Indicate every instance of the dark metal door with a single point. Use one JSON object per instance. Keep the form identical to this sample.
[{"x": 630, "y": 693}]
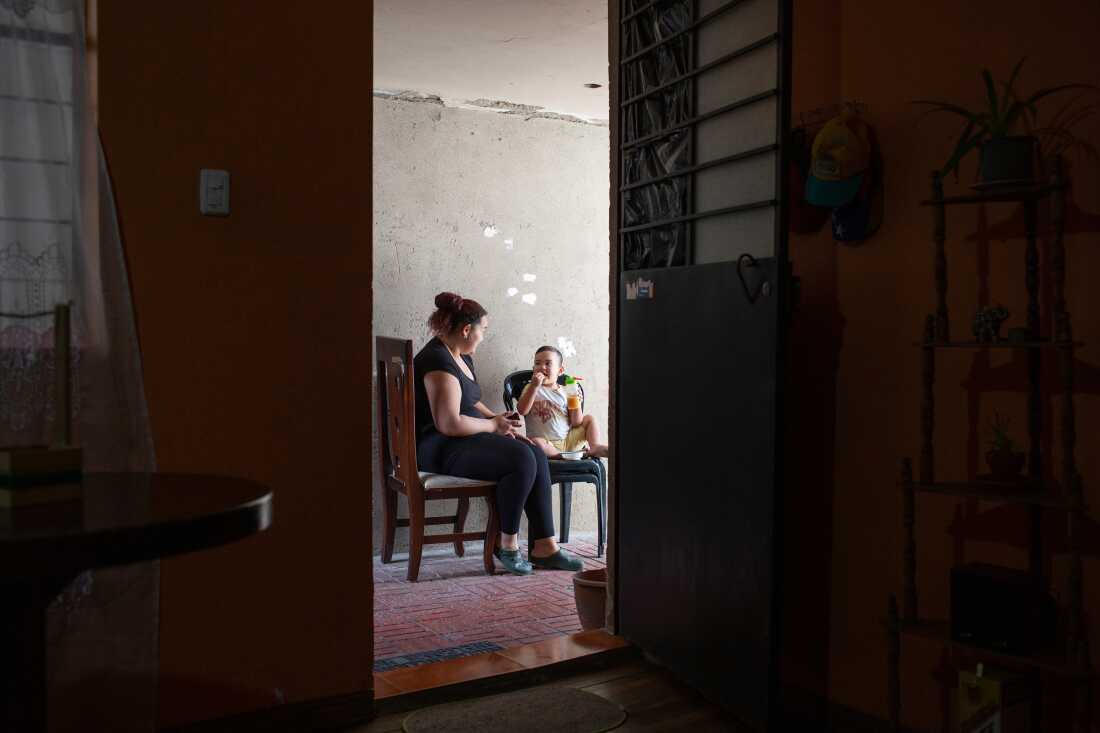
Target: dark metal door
[{"x": 703, "y": 100}]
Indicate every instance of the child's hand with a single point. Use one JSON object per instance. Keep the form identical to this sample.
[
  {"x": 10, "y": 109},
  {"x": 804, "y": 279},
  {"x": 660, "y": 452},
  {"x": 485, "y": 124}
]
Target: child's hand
[{"x": 538, "y": 379}]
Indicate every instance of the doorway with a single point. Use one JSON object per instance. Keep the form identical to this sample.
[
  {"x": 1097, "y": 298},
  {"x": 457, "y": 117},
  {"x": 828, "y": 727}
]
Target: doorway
[
  {"x": 487, "y": 134},
  {"x": 712, "y": 111}
]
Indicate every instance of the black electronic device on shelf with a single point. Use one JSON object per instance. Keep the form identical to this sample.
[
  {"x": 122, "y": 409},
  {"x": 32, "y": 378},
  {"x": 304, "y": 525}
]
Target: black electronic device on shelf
[{"x": 1001, "y": 609}]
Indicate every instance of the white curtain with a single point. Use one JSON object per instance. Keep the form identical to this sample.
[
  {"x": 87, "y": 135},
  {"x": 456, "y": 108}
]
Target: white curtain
[{"x": 59, "y": 242}]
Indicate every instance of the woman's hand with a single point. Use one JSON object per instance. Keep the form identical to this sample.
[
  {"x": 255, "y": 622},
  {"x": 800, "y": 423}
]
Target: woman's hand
[
  {"x": 511, "y": 425},
  {"x": 516, "y": 420},
  {"x": 506, "y": 423}
]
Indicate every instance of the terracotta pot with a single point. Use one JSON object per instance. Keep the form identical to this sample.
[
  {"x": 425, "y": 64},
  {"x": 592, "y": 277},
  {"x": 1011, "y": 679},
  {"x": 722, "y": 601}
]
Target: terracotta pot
[
  {"x": 590, "y": 592},
  {"x": 1005, "y": 466}
]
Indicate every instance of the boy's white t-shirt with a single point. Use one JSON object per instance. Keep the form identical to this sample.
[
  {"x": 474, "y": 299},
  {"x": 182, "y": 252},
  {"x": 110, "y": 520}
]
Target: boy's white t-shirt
[{"x": 548, "y": 418}]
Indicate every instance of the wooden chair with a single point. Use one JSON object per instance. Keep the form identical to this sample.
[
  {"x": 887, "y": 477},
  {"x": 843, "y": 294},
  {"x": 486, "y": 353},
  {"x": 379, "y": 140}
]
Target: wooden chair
[{"x": 399, "y": 474}]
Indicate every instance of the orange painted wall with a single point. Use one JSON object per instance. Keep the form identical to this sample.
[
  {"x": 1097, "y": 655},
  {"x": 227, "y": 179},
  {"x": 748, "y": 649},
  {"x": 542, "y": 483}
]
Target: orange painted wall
[
  {"x": 891, "y": 53},
  {"x": 255, "y": 328}
]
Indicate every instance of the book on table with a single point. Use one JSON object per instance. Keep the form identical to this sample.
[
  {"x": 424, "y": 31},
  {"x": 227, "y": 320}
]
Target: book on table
[{"x": 37, "y": 474}]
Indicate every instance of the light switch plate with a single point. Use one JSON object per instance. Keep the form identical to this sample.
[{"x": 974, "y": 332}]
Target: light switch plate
[{"x": 213, "y": 192}]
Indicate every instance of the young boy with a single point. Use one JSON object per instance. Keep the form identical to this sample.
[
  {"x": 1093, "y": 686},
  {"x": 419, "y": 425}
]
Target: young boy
[{"x": 552, "y": 426}]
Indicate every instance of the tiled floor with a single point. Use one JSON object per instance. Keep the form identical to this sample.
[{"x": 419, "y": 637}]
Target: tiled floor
[{"x": 454, "y": 602}]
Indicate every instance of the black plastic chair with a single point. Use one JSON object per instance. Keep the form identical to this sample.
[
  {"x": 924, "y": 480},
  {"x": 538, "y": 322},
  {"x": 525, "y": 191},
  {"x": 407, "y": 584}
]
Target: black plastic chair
[{"x": 566, "y": 473}]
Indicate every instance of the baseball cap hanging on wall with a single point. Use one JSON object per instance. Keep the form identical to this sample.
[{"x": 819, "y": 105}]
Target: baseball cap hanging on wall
[
  {"x": 860, "y": 218},
  {"x": 846, "y": 176},
  {"x": 841, "y": 154}
]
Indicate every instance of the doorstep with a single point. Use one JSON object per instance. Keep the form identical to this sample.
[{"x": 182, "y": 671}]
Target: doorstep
[{"x": 498, "y": 664}]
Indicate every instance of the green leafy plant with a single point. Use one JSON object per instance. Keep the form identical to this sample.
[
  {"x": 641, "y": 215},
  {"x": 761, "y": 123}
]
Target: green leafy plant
[
  {"x": 1056, "y": 138},
  {"x": 1005, "y": 113},
  {"x": 1000, "y": 442}
]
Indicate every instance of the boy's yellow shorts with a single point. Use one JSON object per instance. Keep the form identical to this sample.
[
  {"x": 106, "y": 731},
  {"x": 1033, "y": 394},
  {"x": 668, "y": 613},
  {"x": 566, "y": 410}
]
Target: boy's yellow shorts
[{"x": 574, "y": 440}]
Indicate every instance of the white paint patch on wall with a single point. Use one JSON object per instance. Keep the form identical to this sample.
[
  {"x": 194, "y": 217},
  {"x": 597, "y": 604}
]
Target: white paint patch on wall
[
  {"x": 439, "y": 183},
  {"x": 530, "y": 298},
  {"x": 528, "y": 277}
]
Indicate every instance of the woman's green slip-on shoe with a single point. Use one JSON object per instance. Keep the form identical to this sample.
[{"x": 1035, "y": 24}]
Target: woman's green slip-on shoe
[
  {"x": 560, "y": 560},
  {"x": 513, "y": 561}
]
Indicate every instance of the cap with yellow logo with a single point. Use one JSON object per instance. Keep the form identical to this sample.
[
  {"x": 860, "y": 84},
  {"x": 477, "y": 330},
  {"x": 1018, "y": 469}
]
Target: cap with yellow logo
[{"x": 841, "y": 155}]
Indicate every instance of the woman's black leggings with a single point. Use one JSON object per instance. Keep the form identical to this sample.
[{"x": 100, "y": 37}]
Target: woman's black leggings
[{"x": 520, "y": 470}]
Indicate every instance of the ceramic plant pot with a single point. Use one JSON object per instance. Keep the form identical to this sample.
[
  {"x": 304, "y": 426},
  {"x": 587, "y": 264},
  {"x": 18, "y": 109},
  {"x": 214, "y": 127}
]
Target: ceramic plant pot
[
  {"x": 1005, "y": 465},
  {"x": 1007, "y": 162},
  {"x": 590, "y": 592}
]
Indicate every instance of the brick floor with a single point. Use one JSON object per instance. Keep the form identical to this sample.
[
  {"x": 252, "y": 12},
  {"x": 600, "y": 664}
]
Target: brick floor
[{"x": 454, "y": 602}]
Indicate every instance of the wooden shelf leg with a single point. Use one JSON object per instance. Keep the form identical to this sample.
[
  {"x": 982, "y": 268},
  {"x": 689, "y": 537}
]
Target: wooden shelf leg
[
  {"x": 1075, "y": 621},
  {"x": 893, "y": 664},
  {"x": 1035, "y": 393},
  {"x": 939, "y": 234},
  {"x": 1064, "y": 334},
  {"x": 1058, "y": 252},
  {"x": 928, "y": 402},
  {"x": 909, "y": 553}
]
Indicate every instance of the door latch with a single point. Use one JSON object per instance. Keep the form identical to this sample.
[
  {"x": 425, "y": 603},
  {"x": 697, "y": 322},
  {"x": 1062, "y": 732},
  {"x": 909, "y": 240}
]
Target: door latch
[{"x": 765, "y": 288}]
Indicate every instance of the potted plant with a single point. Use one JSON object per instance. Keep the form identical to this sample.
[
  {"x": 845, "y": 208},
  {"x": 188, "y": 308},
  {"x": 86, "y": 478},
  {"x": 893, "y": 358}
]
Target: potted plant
[
  {"x": 1005, "y": 462},
  {"x": 1005, "y": 158},
  {"x": 1056, "y": 138},
  {"x": 987, "y": 324}
]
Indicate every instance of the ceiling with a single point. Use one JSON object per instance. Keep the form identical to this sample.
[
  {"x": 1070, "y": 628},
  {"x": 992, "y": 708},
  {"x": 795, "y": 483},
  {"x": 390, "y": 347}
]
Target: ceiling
[{"x": 528, "y": 52}]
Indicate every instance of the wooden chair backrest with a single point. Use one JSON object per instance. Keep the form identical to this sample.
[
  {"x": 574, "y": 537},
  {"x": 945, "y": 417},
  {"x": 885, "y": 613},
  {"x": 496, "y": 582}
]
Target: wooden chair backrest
[{"x": 397, "y": 413}]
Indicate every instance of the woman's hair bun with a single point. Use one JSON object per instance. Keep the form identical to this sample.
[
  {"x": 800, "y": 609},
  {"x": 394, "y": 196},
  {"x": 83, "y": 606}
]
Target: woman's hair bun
[
  {"x": 453, "y": 312},
  {"x": 448, "y": 302}
]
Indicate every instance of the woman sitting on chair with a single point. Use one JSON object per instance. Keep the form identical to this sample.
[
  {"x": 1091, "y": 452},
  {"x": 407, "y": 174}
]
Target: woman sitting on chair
[{"x": 457, "y": 435}]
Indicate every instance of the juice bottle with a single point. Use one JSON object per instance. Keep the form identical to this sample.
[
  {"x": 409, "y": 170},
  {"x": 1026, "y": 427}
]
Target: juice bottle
[{"x": 572, "y": 393}]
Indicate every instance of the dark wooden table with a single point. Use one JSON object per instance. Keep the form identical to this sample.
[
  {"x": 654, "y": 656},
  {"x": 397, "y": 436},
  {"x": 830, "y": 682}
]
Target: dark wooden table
[{"x": 121, "y": 518}]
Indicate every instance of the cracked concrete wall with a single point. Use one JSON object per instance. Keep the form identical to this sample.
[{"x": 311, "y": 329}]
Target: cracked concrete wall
[{"x": 477, "y": 203}]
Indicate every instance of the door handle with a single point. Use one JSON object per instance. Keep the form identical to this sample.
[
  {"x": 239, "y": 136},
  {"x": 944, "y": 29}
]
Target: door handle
[{"x": 764, "y": 288}]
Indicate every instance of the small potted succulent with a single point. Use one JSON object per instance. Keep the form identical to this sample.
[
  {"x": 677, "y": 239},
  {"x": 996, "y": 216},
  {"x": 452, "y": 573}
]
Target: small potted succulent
[
  {"x": 1005, "y": 462},
  {"x": 1007, "y": 158},
  {"x": 987, "y": 323}
]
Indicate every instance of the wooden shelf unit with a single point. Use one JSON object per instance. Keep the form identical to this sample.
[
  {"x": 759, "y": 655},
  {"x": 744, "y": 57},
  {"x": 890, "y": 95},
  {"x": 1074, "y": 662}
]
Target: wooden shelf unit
[
  {"x": 1033, "y": 494},
  {"x": 1052, "y": 661},
  {"x": 1039, "y": 344},
  {"x": 1024, "y": 194},
  {"x": 1072, "y": 660}
]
